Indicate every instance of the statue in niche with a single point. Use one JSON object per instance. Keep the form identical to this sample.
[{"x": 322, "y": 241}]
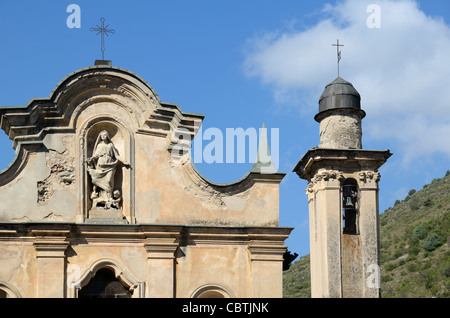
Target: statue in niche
[{"x": 102, "y": 169}]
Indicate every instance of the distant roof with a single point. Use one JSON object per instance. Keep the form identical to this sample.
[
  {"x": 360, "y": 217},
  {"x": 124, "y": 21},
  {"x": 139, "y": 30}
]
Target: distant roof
[{"x": 339, "y": 94}]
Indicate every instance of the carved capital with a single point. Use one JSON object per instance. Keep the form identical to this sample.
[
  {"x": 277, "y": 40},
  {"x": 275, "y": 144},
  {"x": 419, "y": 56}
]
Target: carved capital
[
  {"x": 325, "y": 175},
  {"x": 261, "y": 251},
  {"x": 369, "y": 176},
  {"x": 161, "y": 248},
  {"x": 50, "y": 244}
]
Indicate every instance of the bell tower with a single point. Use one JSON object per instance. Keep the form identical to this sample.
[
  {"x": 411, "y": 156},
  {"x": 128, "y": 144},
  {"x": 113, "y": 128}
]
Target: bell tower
[{"x": 343, "y": 199}]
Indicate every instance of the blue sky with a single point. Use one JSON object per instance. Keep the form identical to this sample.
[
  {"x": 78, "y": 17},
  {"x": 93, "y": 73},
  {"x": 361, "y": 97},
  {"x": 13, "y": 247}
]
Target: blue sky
[{"x": 245, "y": 63}]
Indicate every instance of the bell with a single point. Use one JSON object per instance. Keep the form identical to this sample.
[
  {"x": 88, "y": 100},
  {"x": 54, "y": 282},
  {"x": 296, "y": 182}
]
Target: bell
[{"x": 348, "y": 202}]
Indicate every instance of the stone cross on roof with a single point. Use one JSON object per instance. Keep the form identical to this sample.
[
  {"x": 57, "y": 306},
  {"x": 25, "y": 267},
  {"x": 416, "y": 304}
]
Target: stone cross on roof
[
  {"x": 103, "y": 30},
  {"x": 338, "y": 53}
]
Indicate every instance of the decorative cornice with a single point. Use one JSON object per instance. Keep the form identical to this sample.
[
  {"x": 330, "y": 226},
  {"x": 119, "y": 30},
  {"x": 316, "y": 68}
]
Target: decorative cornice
[
  {"x": 50, "y": 248},
  {"x": 154, "y": 236},
  {"x": 18, "y": 163},
  {"x": 266, "y": 252},
  {"x": 350, "y": 160},
  {"x": 32, "y": 121},
  {"x": 50, "y": 243},
  {"x": 212, "y": 194},
  {"x": 160, "y": 248}
]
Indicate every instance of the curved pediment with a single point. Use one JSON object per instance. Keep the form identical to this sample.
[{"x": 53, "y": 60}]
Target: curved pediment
[
  {"x": 91, "y": 86},
  {"x": 103, "y": 147}
]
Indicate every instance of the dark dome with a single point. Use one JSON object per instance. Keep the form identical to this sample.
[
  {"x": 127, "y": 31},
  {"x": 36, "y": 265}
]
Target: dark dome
[{"x": 339, "y": 94}]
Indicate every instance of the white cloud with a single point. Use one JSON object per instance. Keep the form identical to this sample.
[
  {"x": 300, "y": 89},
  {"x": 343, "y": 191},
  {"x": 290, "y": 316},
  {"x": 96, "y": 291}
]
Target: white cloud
[{"x": 401, "y": 70}]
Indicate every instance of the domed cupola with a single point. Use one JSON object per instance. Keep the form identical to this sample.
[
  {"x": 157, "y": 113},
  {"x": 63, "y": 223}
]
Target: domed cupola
[{"x": 340, "y": 116}]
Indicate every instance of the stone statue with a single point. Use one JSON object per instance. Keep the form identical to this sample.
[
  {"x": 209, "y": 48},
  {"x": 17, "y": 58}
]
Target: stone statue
[{"x": 102, "y": 168}]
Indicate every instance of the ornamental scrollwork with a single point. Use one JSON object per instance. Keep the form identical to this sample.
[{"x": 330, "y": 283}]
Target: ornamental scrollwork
[
  {"x": 325, "y": 175},
  {"x": 369, "y": 176}
]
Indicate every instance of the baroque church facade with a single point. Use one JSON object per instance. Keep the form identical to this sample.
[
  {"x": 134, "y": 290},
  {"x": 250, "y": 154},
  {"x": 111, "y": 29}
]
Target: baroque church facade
[{"x": 102, "y": 200}]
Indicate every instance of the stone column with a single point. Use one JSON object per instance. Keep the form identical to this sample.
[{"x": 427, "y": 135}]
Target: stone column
[
  {"x": 266, "y": 258},
  {"x": 161, "y": 267},
  {"x": 50, "y": 253}
]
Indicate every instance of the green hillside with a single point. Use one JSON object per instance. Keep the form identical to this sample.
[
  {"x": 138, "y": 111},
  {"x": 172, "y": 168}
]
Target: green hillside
[{"x": 415, "y": 258}]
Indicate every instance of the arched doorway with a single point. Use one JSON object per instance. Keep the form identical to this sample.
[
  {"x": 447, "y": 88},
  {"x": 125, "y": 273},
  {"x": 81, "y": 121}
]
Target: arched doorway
[
  {"x": 104, "y": 285},
  {"x": 108, "y": 272}
]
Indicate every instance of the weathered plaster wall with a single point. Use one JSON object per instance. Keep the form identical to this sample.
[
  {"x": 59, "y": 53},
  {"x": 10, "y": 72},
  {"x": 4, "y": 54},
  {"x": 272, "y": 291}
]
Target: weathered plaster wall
[
  {"x": 18, "y": 267},
  {"x": 213, "y": 265},
  {"x": 45, "y": 188},
  {"x": 341, "y": 131}
]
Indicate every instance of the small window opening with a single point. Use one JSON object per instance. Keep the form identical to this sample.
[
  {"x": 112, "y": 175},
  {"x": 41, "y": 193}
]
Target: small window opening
[{"x": 350, "y": 213}]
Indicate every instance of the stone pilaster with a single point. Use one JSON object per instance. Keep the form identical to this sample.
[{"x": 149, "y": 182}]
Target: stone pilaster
[
  {"x": 161, "y": 267},
  {"x": 266, "y": 257},
  {"x": 325, "y": 231},
  {"x": 50, "y": 249},
  {"x": 161, "y": 244}
]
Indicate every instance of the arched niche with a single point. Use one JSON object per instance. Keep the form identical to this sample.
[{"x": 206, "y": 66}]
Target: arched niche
[
  {"x": 115, "y": 172},
  {"x": 104, "y": 284},
  {"x": 118, "y": 274}
]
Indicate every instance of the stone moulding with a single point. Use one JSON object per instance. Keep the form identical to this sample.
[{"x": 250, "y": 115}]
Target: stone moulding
[
  {"x": 19, "y": 161},
  {"x": 59, "y": 111},
  {"x": 147, "y": 234},
  {"x": 355, "y": 159},
  {"x": 206, "y": 188},
  {"x": 136, "y": 287}
]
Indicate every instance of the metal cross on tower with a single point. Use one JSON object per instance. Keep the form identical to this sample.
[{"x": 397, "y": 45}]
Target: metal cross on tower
[
  {"x": 338, "y": 53},
  {"x": 103, "y": 30}
]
